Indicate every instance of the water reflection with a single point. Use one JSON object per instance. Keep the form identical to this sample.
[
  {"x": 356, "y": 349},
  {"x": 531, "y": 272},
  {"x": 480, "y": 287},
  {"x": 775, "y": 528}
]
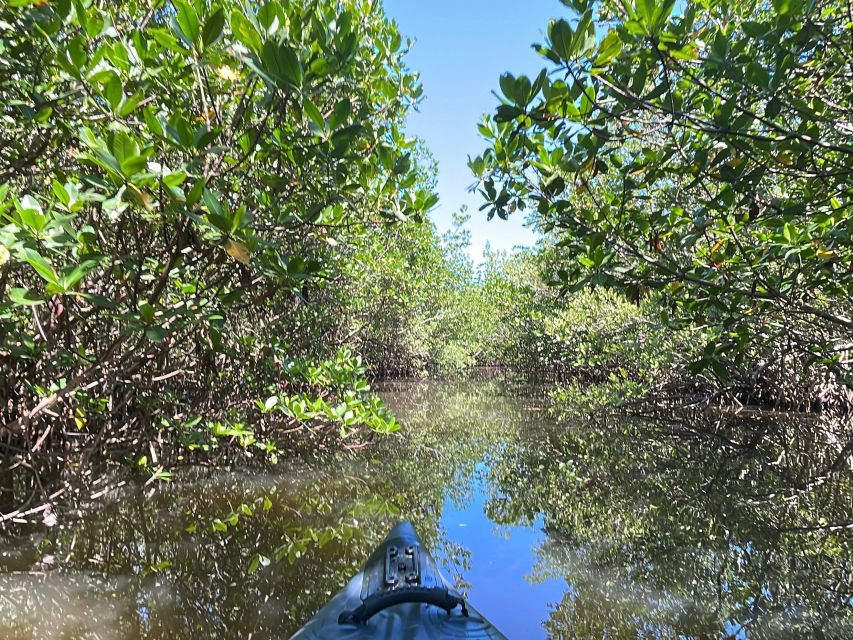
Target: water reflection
[
  {"x": 199, "y": 554},
  {"x": 626, "y": 529},
  {"x": 719, "y": 528}
]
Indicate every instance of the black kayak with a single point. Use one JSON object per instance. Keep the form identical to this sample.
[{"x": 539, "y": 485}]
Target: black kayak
[{"x": 401, "y": 595}]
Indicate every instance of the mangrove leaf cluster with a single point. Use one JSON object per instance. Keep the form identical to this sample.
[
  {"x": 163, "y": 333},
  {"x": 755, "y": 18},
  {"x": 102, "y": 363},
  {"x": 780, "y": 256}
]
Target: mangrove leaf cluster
[{"x": 699, "y": 153}]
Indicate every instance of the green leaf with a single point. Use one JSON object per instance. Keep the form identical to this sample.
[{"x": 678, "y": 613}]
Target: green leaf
[
  {"x": 163, "y": 564},
  {"x": 268, "y": 13},
  {"x": 152, "y": 121},
  {"x": 314, "y": 114},
  {"x": 42, "y": 266},
  {"x": 124, "y": 147},
  {"x": 129, "y": 104},
  {"x": 507, "y": 82},
  {"x": 610, "y": 47},
  {"x": 167, "y": 41},
  {"x": 784, "y": 7},
  {"x": 258, "y": 68},
  {"x": 654, "y": 15},
  {"x": 343, "y": 137},
  {"x": 755, "y": 29},
  {"x": 186, "y": 23},
  {"x": 562, "y": 39},
  {"x": 76, "y": 50},
  {"x": 213, "y": 28},
  {"x": 645, "y": 10},
  {"x": 146, "y": 311},
  {"x": 584, "y": 39},
  {"x": 282, "y": 64},
  {"x": 686, "y": 52},
  {"x": 257, "y": 561},
  {"x": 114, "y": 92},
  {"x": 587, "y": 100},
  {"x": 245, "y": 31},
  {"x": 82, "y": 17},
  {"x": 195, "y": 193},
  {"x": 638, "y": 81},
  {"x": 403, "y": 164},
  {"x": 132, "y": 166},
  {"x": 237, "y": 219},
  {"x": 98, "y": 300},
  {"x": 31, "y": 214},
  {"x": 507, "y": 113},
  {"x": 211, "y": 201},
  {"x": 24, "y": 297},
  {"x": 772, "y": 108},
  {"x": 156, "y": 334},
  {"x": 341, "y": 113},
  {"x": 61, "y": 193},
  {"x": 757, "y": 75},
  {"x": 523, "y": 91},
  {"x": 77, "y": 273},
  {"x": 174, "y": 179}
]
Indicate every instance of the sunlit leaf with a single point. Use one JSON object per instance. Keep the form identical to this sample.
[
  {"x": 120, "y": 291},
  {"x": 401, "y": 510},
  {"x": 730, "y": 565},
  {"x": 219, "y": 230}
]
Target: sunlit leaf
[{"x": 238, "y": 251}]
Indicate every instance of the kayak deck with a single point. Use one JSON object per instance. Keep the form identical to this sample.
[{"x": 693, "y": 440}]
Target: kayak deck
[{"x": 400, "y": 594}]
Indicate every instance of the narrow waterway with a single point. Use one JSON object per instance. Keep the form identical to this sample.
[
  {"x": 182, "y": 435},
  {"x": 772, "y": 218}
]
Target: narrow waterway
[{"x": 569, "y": 528}]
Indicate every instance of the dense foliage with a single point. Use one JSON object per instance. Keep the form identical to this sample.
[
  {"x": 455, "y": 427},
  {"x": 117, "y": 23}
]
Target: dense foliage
[
  {"x": 178, "y": 183},
  {"x": 412, "y": 305},
  {"x": 702, "y": 153}
]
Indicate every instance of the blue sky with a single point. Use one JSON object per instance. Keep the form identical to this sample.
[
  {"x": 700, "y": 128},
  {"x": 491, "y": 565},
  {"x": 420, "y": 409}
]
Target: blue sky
[{"x": 461, "y": 48}]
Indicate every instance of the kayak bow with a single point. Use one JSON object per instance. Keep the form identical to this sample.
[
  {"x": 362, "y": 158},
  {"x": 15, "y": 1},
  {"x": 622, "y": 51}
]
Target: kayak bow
[{"x": 399, "y": 594}]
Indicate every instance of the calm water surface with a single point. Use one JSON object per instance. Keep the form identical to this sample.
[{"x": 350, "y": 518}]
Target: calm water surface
[{"x": 690, "y": 528}]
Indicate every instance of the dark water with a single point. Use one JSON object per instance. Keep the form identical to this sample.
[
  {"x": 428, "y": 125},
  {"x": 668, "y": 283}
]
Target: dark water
[{"x": 696, "y": 528}]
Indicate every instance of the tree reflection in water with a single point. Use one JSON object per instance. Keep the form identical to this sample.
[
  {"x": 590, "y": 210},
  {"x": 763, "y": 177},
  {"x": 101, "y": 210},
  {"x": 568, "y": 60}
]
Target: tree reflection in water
[
  {"x": 191, "y": 557},
  {"x": 659, "y": 529},
  {"x": 688, "y": 528}
]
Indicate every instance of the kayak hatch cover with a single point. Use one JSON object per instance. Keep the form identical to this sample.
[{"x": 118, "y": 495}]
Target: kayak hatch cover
[{"x": 401, "y": 595}]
